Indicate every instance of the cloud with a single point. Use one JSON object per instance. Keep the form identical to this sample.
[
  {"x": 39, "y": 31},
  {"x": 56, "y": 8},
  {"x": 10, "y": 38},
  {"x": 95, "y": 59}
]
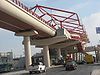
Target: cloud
[
  {"x": 91, "y": 22},
  {"x": 79, "y": 6},
  {"x": 87, "y": 6}
]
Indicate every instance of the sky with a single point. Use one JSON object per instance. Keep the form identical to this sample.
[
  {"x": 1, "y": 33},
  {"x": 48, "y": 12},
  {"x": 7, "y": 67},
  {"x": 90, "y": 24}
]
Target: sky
[{"x": 88, "y": 11}]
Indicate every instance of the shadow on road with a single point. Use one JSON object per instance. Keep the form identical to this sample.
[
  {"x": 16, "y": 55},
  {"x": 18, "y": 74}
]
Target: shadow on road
[{"x": 93, "y": 64}]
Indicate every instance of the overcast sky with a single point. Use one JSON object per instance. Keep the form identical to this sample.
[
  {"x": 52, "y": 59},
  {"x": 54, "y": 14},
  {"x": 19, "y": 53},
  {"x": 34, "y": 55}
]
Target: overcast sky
[{"x": 88, "y": 11}]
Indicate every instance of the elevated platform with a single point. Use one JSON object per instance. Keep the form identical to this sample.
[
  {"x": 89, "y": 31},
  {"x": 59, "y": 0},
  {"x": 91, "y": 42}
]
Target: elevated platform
[
  {"x": 57, "y": 30},
  {"x": 62, "y": 41},
  {"x": 16, "y": 17}
]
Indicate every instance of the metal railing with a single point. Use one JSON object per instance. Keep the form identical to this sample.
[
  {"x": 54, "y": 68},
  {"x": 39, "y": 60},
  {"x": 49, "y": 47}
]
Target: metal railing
[
  {"x": 32, "y": 12},
  {"x": 20, "y": 4}
]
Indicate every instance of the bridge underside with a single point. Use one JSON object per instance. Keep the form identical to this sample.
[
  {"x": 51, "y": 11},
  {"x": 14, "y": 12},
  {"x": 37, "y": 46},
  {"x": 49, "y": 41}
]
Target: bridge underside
[
  {"x": 61, "y": 43},
  {"x": 13, "y": 24},
  {"x": 65, "y": 45}
]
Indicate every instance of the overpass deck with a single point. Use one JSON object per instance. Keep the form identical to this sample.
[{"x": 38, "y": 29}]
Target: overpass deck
[
  {"x": 41, "y": 25},
  {"x": 17, "y": 17}
]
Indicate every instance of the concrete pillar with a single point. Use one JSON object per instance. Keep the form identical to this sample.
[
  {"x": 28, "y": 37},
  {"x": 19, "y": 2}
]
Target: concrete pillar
[
  {"x": 46, "y": 56},
  {"x": 27, "y": 51},
  {"x": 82, "y": 57},
  {"x": 79, "y": 56},
  {"x": 59, "y": 53},
  {"x": 97, "y": 56},
  {"x": 73, "y": 55},
  {"x": 76, "y": 57}
]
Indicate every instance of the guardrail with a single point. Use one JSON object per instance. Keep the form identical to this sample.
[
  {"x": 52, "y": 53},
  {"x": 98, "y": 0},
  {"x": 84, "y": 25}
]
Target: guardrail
[{"x": 20, "y": 4}]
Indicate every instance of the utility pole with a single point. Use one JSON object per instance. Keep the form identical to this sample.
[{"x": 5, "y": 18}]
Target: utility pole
[
  {"x": 96, "y": 54},
  {"x": 97, "y": 32}
]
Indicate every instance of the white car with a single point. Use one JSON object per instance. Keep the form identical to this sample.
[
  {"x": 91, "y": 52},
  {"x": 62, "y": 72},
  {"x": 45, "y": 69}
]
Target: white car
[{"x": 37, "y": 68}]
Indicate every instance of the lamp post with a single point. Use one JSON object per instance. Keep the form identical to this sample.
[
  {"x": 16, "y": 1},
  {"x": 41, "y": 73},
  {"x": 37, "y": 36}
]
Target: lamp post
[
  {"x": 98, "y": 32},
  {"x": 96, "y": 53}
]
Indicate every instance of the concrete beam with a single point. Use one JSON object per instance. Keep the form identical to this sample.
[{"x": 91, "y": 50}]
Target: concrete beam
[
  {"x": 92, "y": 48},
  {"x": 62, "y": 35},
  {"x": 61, "y": 32},
  {"x": 7, "y": 6},
  {"x": 64, "y": 44},
  {"x": 27, "y": 33},
  {"x": 48, "y": 41},
  {"x": 70, "y": 49}
]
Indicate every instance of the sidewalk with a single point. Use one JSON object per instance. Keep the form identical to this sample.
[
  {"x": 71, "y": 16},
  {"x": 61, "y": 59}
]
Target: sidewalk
[{"x": 96, "y": 72}]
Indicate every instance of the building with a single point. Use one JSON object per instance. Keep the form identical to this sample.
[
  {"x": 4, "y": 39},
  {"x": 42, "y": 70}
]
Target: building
[
  {"x": 19, "y": 63},
  {"x": 38, "y": 57},
  {"x": 6, "y": 57}
]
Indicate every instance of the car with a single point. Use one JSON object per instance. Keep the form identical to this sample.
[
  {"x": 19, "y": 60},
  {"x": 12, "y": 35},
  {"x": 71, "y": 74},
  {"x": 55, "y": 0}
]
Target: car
[
  {"x": 81, "y": 62},
  {"x": 70, "y": 65},
  {"x": 40, "y": 67},
  {"x": 6, "y": 67}
]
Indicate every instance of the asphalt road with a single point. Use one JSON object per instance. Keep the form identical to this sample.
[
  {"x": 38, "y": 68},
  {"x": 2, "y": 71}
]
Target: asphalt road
[{"x": 81, "y": 70}]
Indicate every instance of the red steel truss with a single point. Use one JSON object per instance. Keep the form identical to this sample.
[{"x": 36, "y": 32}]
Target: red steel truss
[{"x": 57, "y": 18}]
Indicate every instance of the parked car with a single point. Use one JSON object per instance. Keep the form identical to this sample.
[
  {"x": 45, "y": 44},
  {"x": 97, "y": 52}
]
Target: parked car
[
  {"x": 81, "y": 62},
  {"x": 6, "y": 67},
  {"x": 40, "y": 67},
  {"x": 70, "y": 65}
]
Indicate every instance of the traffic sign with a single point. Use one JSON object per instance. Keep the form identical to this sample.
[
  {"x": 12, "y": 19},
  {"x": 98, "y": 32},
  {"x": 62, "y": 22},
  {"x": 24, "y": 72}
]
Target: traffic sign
[{"x": 98, "y": 30}]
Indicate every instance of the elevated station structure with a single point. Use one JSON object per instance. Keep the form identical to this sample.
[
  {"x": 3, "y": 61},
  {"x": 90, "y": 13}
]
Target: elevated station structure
[
  {"x": 61, "y": 19},
  {"x": 42, "y": 26}
]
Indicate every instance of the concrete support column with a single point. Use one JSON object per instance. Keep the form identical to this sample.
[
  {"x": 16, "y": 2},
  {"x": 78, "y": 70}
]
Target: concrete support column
[
  {"x": 46, "y": 56},
  {"x": 81, "y": 57},
  {"x": 27, "y": 51},
  {"x": 59, "y": 52},
  {"x": 76, "y": 57},
  {"x": 73, "y": 56},
  {"x": 97, "y": 56}
]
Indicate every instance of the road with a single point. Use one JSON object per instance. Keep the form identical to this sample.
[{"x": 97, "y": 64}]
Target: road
[{"x": 81, "y": 70}]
